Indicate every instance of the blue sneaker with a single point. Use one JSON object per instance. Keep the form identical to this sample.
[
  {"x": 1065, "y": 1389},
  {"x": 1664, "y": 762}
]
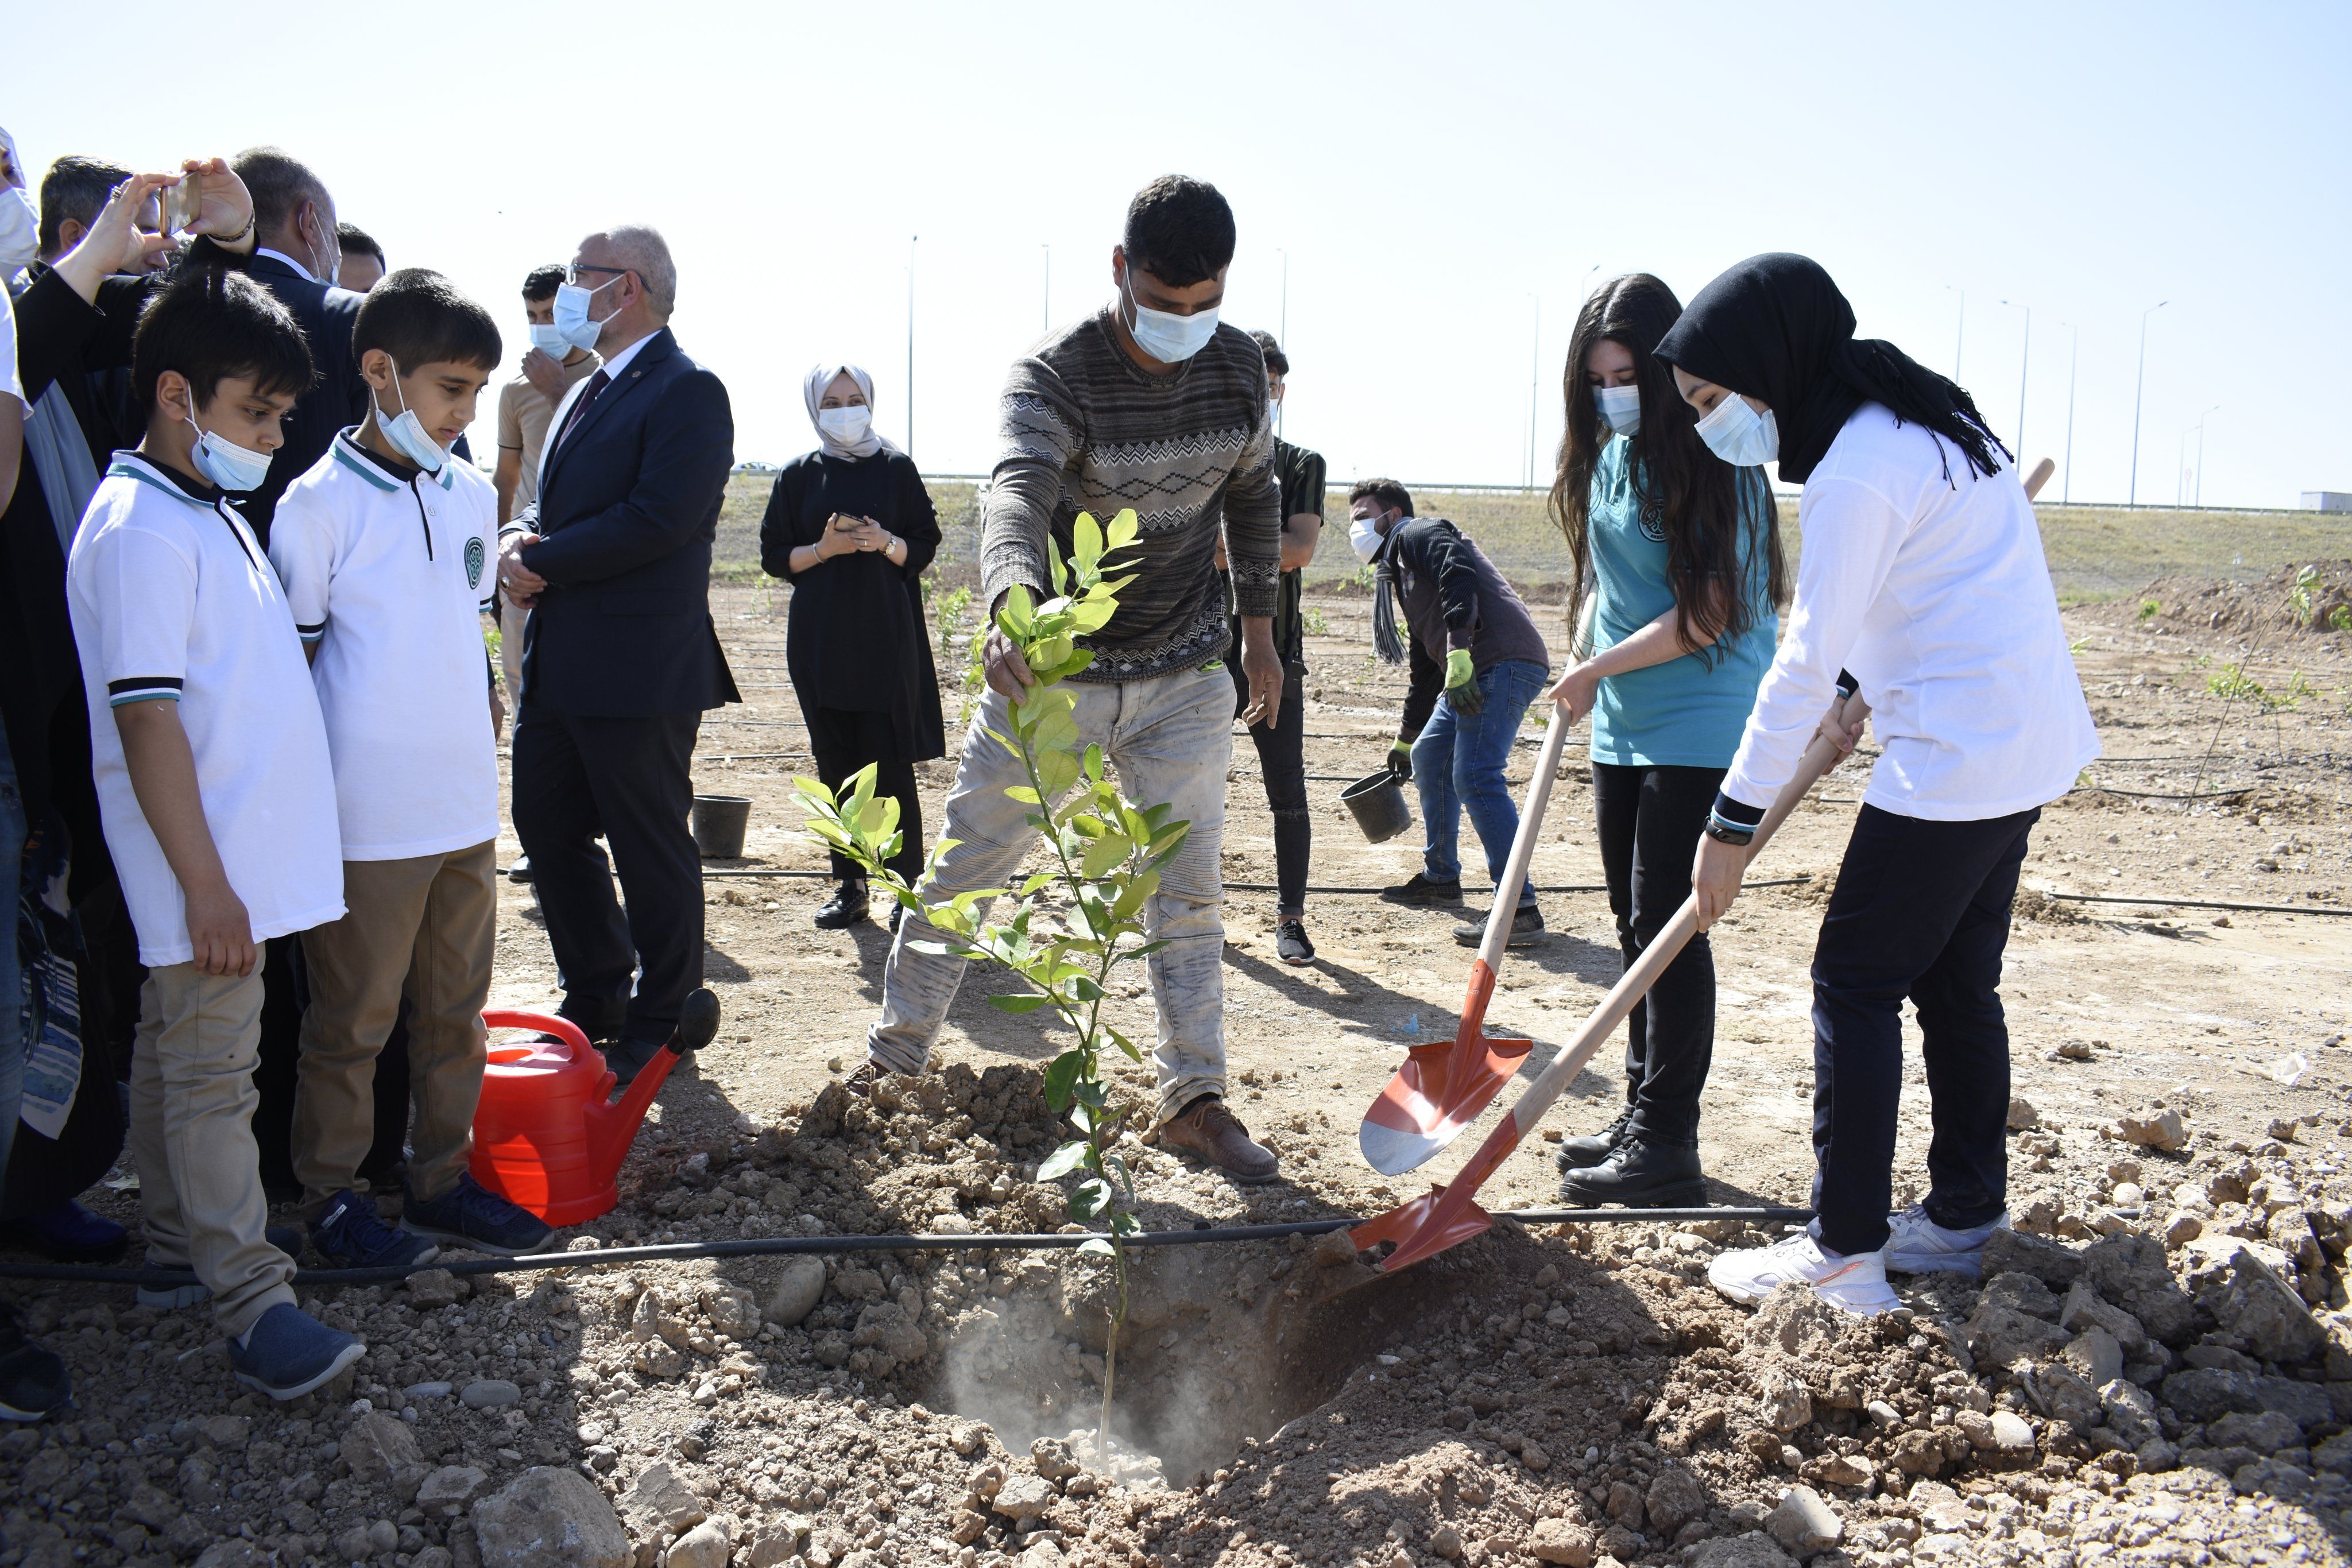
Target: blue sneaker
[
  {"x": 288, "y": 1352},
  {"x": 471, "y": 1215},
  {"x": 68, "y": 1233},
  {"x": 350, "y": 1234}
]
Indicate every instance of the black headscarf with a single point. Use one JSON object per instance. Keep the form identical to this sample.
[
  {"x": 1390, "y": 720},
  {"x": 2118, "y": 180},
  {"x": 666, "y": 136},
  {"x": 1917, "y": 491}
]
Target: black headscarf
[{"x": 1776, "y": 327}]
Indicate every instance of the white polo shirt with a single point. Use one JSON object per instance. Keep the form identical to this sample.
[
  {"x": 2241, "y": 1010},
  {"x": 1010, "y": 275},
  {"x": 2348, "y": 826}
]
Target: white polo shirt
[
  {"x": 387, "y": 570},
  {"x": 172, "y": 598}
]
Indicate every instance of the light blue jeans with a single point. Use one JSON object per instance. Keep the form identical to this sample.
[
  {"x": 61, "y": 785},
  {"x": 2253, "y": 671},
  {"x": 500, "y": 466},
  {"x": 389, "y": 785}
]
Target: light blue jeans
[
  {"x": 1459, "y": 762},
  {"x": 1168, "y": 740}
]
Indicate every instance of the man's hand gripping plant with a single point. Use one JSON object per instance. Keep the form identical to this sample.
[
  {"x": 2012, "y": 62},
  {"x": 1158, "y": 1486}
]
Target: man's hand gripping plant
[{"x": 1075, "y": 922}]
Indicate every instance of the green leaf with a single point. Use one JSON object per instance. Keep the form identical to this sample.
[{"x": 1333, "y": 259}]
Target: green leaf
[
  {"x": 1123, "y": 528},
  {"x": 815, "y": 788},
  {"x": 1093, "y": 616},
  {"x": 1097, "y": 1248},
  {"x": 1019, "y": 610},
  {"x": 1106, "y": 853},
  {"x": 1126, "y": 1045},
  {"x": 1125, "y": 1224},
  {"x": 1020, "y": 1004},
  {"x": 1086, "y": 539},
  {"x": 1061, "y": 1074},
  {"x": 1094, "y": 1196},
  {"x": 1026, "y": 795},
  {"x": 1070, "y": 1157},
  {"x": 1057, "y": 770},
  {"x": 1093, "y": 762},
  {"x": 1029, "y": 889}
]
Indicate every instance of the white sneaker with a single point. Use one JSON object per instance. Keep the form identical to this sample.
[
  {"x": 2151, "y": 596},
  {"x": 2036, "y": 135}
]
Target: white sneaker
[
  {"x": 1917, "y": 1244},
  {"x": 1855, "y": 1284}
]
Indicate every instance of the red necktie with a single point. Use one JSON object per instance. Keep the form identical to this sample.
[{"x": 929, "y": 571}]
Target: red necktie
[{"x": 596, "y": 385}]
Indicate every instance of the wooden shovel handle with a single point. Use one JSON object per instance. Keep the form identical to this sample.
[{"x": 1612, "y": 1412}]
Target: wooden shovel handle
[
  {"x": 1523, "y": 842},
  {"x": 1819, "y": 758}
]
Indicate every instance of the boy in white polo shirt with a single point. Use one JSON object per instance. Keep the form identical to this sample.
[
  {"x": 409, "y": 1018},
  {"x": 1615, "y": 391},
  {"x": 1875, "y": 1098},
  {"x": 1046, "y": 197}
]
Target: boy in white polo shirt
[
  {"x": 388, "y": 547},
  {"x": 214, "y": 789}
]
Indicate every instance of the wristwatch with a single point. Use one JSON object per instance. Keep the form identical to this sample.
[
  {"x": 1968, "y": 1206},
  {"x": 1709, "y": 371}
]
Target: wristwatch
[{"x": 1737, "y": 838}]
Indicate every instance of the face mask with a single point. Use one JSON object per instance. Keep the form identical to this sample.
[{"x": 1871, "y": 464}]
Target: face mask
[
  {"x": 1620, "y": 408},
  {"x": 844, "y": 426},
  {"x": 326, "y": 259},
  {"x": 1170, "y": 337},
  {"x": 406, "y": 432},
  {"x": 224, "y": 462},
  {"x": 1364, "y": 533},
  {"x": 572, "y": 323},
  {"x": 548, "y": 338},
  {"x": 1738, "y": 435},
  {"x": 20, "y": 230}
]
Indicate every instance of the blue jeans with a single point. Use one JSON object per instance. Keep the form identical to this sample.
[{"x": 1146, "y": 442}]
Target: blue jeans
[
  {"x": 12, "y": 978},
  {"x": 1459, "y": 761}
]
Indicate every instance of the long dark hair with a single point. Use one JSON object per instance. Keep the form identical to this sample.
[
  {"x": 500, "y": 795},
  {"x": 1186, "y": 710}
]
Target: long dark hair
[{"x": 1700, "y": 500}]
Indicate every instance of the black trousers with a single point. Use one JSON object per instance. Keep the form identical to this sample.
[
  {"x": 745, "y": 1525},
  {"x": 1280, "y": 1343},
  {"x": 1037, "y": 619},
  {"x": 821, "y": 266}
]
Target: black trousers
[
  {"x": 845, "y": 742},
  {"x": 1282, "y": 763},
  {"x": 1921, "y": 910},
  {"x": 631, "y": 780},
  {"x": 1650, "y": 819}
]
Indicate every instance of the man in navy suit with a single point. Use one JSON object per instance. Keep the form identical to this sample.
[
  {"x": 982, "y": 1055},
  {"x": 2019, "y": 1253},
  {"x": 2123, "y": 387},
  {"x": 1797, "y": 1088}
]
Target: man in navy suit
[
  {"x": 294, "y": 258},
  {"x": 620, "y": 658}
]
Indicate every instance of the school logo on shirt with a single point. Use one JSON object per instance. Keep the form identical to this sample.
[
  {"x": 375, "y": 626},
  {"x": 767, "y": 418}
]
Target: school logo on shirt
[
  {"x": 474, "y": 563},
  {"x": 1654, "y": 519}
]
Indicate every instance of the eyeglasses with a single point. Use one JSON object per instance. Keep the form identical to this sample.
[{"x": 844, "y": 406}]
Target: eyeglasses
[{"x": 572, "y": 274}]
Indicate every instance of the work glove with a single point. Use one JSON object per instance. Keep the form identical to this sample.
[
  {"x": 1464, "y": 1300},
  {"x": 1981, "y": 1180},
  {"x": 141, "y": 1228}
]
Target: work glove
[
  {"x": 1462, "y": 683},
  {"x": 1400, "y": 762}
]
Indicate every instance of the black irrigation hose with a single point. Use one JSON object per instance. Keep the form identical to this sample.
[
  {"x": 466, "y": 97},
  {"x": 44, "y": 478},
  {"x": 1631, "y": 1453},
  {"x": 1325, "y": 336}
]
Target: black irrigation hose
[
  {"x": 1271, "y": 887},
  {"x": 2199, "y": 903},
  {"x": 768, "y": 1246},
  {"x": 2150, "y": 795}
]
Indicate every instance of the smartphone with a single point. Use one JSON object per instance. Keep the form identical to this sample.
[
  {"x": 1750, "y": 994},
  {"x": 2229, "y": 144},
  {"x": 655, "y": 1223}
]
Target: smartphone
[
  {"x": 843, "y": 523},
  {"x": 180, "y": 204}
]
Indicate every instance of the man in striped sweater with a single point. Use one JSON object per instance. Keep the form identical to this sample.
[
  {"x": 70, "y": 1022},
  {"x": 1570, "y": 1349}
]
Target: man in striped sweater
[{"x": 1149, "y": 403}]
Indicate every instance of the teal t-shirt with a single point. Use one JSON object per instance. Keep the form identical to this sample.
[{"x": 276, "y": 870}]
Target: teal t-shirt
[{"x": 1687, "y": 712}]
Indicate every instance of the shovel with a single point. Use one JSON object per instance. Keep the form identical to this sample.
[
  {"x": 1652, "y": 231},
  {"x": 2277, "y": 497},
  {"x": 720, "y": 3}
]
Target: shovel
[
  {"x": 1448, "y": 1216},
  {"x": 1440, "y": 1088}
]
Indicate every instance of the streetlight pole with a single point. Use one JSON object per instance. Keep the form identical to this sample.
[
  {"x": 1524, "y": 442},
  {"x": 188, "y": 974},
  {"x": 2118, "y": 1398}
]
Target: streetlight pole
[
  {"x": 2140, "y": 389},
  {"x": 2025, "y": 361},
  {"x": 2073, "y": 353},
  {"x": 910, "y": 342},
  {"x": 1961, "y": 332}
]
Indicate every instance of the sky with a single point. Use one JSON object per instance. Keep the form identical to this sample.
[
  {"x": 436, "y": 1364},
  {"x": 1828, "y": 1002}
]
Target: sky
[{"x": 1424, "y": 194}]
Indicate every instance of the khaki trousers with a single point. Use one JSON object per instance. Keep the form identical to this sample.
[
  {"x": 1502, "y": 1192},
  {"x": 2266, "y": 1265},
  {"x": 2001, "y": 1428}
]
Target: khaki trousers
[
  {"x": 425, "y": 928},
  {"x": 191, "y": 1099}
]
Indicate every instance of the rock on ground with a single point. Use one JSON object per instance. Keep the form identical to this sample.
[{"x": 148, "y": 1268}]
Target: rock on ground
[{"x": 547, "y": 1517}]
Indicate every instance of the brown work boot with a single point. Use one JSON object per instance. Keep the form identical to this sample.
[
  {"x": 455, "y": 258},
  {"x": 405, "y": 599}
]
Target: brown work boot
[{"x": 1207, "y": 1129}]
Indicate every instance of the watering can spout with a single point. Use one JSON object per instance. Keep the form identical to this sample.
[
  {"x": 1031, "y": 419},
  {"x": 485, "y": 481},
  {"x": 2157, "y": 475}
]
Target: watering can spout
[{"x": 611, "y": 1128}]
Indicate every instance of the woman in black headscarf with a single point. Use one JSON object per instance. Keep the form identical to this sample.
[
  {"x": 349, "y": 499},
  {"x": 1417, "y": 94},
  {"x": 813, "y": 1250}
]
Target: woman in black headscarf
[
  {"x": 851, "y": 527},
  {"x": 1921, "y": 573}
]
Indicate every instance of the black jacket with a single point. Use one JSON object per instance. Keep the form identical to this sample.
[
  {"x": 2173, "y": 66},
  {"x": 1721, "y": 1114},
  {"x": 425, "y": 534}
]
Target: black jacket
[
  {"x": 1452, "y": 598},
  {"x": 858, "y": 640},
  {"x": 337, "y": 399},
  {"x": 629, "y": 506}
]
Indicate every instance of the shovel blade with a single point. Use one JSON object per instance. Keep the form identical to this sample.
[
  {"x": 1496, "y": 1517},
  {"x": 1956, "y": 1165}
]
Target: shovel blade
[
  {"x": 1435, "y": 1093},
  {"x": 1421, "y": 1229}
]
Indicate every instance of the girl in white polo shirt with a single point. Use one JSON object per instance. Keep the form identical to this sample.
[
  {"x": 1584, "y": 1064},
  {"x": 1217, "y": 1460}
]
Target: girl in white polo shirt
[{"x": 1921, "y": 573}]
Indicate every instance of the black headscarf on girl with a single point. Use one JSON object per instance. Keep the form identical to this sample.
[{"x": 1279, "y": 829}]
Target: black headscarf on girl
[{"x": 1776, "y": 327}]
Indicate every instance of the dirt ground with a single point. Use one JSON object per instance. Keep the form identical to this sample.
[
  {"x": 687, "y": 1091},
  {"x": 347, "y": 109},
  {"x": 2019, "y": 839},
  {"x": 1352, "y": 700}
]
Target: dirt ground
[{"x": 1546, "y": 1393}]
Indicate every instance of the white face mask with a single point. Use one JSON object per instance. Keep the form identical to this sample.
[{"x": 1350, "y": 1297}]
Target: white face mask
[
  {"x": 1620, "y": 408},
  {"x": 324, "y": 262},
  {"x": 1364, "y": 534},
  {"x": 844, "y": 426},
  {"x": 1167, "y": 336},
  {"x": 232, "y": 467},
  {"x": 548, "y": 338},
  {"x": 20, "y": 230},
  {"x": 406, "y": 432},
  {"x": 1738, "y": 435},
  {"x": 571, "y": 321}
]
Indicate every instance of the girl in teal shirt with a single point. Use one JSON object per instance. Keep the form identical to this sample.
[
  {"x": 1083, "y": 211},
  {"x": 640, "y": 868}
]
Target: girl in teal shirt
[{"x": 1678, "y": 570}]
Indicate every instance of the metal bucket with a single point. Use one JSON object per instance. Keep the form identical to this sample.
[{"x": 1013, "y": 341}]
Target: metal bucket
[
  {"x": 719, "y": 821},
  {"x": 1376, "y": 802}
]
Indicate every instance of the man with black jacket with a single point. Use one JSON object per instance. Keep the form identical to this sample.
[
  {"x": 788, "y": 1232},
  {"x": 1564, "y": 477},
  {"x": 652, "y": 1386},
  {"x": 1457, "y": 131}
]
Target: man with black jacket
[
  {"x": 296, "y": 260},
  {"x": 620, "y": 658},
  {"x": 1477, "y": 661}
]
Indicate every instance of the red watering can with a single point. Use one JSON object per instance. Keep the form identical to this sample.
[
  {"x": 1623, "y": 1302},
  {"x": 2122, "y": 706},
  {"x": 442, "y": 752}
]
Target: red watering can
[{"x": 544, "y": 1137}]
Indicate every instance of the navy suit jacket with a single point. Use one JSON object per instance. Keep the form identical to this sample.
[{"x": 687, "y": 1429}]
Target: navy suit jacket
[
  {"x": 337, "y": 399},
  {"x": 629, "y": 506}
]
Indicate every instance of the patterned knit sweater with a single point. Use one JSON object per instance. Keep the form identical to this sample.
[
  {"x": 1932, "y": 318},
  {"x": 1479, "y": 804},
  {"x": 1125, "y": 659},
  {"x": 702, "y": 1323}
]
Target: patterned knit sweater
[{"x": 1085, "y": 429}]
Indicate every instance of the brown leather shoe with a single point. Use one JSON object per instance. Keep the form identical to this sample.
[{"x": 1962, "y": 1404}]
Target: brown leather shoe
[
  {"x": 862, "y": 1082},
  {"x": 1208, "y": 1130}
]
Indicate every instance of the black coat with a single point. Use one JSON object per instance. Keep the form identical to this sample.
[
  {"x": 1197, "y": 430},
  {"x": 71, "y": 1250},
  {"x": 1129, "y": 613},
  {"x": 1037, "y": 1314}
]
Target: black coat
[
  {"x": 337, "y": 399},
  {"x": 629, "y": 506},
  {"x": 856, "y": 640}
]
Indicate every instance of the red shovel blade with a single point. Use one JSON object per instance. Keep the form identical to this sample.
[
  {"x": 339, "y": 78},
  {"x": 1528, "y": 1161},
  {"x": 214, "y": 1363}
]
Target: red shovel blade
[
  {"x": 1426, "y": 1226},
  {"x": 1439, "y": 1089}
]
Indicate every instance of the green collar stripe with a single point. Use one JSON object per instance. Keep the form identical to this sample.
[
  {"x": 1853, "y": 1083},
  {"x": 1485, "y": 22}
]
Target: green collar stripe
[
  {"x": 147, "y": 476},
  {"x": 358, "y": 462}
]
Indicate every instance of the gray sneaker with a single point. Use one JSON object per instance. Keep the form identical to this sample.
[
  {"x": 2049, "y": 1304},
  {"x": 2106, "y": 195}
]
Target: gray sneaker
[{"x": 1917, "y": 1244}]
